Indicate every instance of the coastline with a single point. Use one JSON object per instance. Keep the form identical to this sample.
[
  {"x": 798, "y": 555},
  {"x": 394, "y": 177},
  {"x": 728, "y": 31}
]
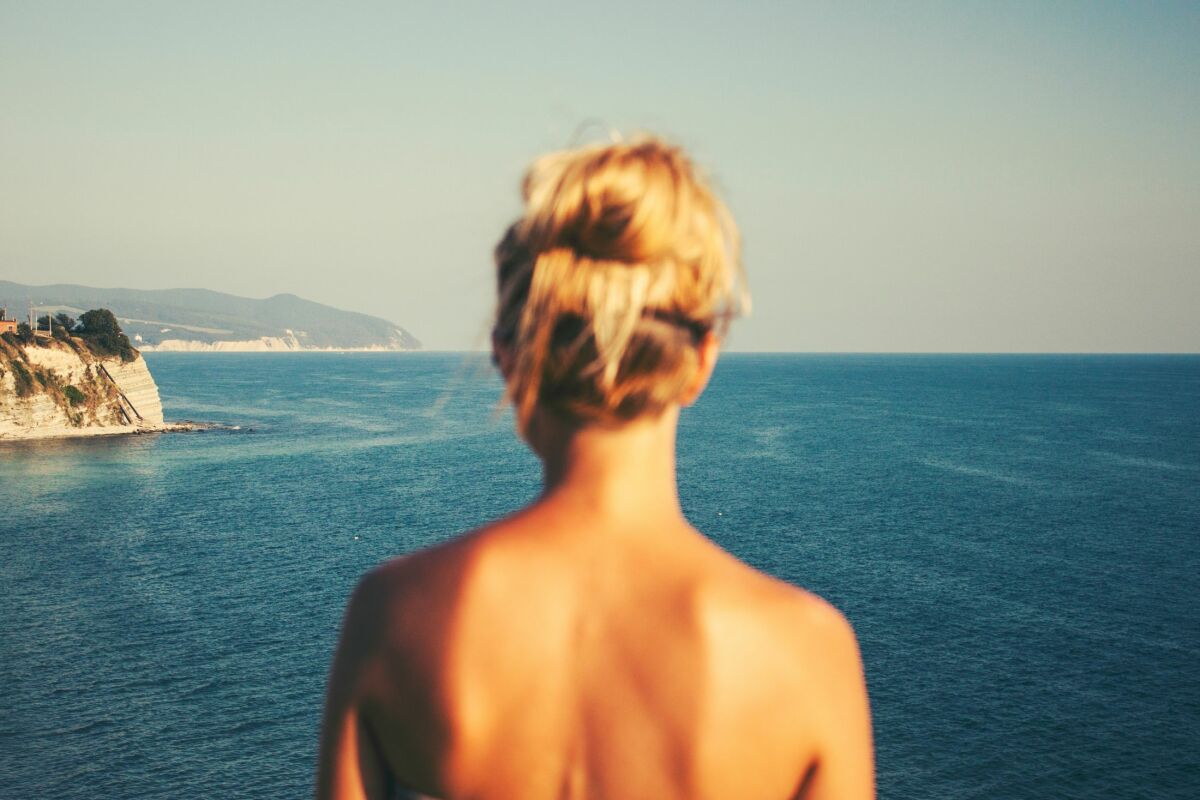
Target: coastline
[
  {"x": 255, "y": 350},
  {"x": 43, "y": 434},
  {"x": 265, "y": 344}
]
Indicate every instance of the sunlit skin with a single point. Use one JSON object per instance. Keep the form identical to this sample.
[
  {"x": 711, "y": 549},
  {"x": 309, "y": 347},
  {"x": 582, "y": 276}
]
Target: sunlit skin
[{"x": 594, "y": 645}]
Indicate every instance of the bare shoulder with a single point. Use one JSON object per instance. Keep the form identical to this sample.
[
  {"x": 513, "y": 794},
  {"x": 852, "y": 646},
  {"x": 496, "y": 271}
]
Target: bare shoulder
[
  {"x": 412, "y": 599},
  {"x": 825, "y": 678},
  {"x": 813, "y": 619},
  {"x": 389, "y": 672},
  {"x": 413, "y": 586},
  {"x": 384, "y": 662},
  {"x": 801, "y": 626},
  {"x": 814, "y": 625}
]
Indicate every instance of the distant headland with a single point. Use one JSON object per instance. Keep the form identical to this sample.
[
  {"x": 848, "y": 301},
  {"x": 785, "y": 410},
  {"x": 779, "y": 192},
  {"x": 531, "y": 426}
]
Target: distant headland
[
  {"x": 197, "y": 320},
  {"x": 62, "y": 377}
]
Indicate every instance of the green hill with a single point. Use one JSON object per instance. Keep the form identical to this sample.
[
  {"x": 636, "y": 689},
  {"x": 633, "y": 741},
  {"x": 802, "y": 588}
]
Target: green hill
[{"x": 151, "y": 317}]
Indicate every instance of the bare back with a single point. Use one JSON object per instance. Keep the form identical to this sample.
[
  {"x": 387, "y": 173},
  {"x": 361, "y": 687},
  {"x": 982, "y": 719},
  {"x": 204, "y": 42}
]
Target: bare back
[
  {"x": 557, "y": 655},
  {"x": 594, "y": 645}
]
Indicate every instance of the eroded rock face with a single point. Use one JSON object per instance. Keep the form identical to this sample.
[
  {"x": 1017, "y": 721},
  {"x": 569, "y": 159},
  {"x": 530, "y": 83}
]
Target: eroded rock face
[
  {"x": 139, "y": 388},
  {"x": 56, "y": 388}
]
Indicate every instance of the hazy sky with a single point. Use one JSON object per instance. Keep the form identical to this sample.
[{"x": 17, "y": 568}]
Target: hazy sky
[{"x": 914, "y": 176}]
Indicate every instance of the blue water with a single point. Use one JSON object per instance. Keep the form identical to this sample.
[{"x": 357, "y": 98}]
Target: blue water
[{"x": 1015, "y": 539}]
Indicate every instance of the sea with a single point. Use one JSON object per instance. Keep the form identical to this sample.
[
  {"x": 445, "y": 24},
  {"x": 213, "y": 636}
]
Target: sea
[{"x": 1016, "y": 540}]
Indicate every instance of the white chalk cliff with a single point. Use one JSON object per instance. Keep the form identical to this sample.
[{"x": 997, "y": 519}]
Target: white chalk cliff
[
  {"x": 55, "y": 388},
  {"x": 290, "y": 342}
]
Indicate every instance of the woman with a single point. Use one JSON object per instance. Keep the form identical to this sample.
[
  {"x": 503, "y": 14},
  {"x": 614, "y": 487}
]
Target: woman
[{"x": 594, "y": 644}]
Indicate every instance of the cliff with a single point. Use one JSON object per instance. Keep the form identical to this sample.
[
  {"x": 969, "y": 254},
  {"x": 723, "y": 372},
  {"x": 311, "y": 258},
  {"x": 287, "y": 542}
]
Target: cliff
[
  {"x": 288, "y": 343},
  {"x": 62, "y": 387}
]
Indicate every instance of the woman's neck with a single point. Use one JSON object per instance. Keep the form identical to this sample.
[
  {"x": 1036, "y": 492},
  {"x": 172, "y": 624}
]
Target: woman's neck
[{"x": 627, "y": 470}]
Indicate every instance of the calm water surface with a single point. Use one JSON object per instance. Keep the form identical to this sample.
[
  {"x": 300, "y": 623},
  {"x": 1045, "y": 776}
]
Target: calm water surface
[{"x": 1015, "y": 539}]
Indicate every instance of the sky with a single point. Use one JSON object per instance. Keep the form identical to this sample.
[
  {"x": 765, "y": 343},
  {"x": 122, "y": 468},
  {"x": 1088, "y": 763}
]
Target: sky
[{"x": 916, "y": 177}]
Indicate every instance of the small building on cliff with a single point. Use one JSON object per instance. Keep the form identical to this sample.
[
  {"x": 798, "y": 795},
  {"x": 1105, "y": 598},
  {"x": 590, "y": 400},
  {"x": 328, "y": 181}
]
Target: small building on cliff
[{"x": 7, "y": 325}]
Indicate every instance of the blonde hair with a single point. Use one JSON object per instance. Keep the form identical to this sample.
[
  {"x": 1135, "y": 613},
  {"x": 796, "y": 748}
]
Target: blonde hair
[{"x": 622, "y": 263}]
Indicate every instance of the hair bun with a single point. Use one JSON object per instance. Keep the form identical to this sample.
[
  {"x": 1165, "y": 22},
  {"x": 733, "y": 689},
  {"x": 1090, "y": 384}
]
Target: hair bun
[
  {"x": 616, "y": 241},
  {"x": 615, "y": 202}
]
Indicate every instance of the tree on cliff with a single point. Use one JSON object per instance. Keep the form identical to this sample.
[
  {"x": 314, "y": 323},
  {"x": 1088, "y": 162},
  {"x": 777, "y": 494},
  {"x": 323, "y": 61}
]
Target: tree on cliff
[
  {"x": 99, "y": 328},
  {"x": 57, "y": 325}
]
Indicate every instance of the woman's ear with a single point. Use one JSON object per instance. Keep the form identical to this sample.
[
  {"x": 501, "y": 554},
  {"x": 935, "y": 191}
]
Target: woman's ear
[{"x": 706, "y": 352}]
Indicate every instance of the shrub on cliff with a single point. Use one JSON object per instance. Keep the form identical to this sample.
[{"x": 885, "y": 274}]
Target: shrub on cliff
[
  {"x": 99, "y": 328},
  {"x": 55, "y": 325},
  {"x": 73, "y": 395},
  {"x": 22, "y": 380}
]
